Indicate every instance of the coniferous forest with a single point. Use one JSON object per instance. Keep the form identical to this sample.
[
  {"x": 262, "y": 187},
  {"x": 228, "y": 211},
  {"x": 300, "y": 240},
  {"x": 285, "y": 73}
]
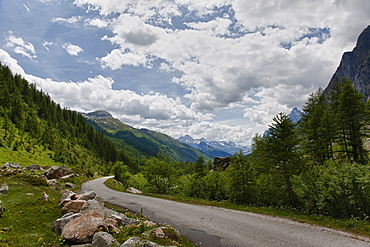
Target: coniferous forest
[{"x": 319, "y": 165}]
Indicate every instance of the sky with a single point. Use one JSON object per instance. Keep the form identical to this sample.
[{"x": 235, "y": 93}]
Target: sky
[{"x": 214, "y": 69}]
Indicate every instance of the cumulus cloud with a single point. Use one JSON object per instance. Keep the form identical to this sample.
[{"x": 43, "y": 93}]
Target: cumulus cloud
[
  {"x": 18, "y": 45},
  {"x": 255, "y": 56},
  {"x": 72, "y": 50}
]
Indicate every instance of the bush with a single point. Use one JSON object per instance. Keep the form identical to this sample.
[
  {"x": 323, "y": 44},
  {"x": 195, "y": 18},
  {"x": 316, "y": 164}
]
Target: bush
[{"x": 339, "y": 190}]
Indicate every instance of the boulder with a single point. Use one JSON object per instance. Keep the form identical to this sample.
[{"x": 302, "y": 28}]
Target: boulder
[
  {"x": 73, "y": 206},
  {"x": 87, "y": 196},
  {"x": 4, "y": 189},
  {"x": 123, "y": 219},
  {"x": 137, "y": 242},
  {"x": 69, "y": 185},
  {"x": 53, "y": 182},
  {"x": 67, "y": 195},
  {"x": 68, "y": 176},
  {"x": 134, "y": 191},
  {"x": 59, "y": 224},
  {"x": 103, "y": 239},
  {"x": 34, "y": 167},
  {"x": 14, "y": 165},
  {"x": 57, "y": 172},
  {"x": 82, "y": 229}
]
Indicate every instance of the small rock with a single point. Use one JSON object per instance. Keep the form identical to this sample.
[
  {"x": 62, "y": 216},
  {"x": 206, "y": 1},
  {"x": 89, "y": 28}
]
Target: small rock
[
  {"x": 67, "y": 195},
  {"x": 134, "y": 191},
  {"x": 149, "y": 223},
  {"x": 137, "y": 242},
  {"x": 4, "y": 189},
  {"x": 45, "y": 196},
  {"x": 69, "y": 185},
  {"x": 53, "y": 182},
  {"x": 34, "y": 167},
  {"x": 103, "y": 239},
  {"x": 68, "y": 176}
]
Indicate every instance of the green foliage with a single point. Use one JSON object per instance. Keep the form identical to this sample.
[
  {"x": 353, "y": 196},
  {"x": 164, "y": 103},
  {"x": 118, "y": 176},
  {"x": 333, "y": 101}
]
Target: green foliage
[
  {"x": 160, "y": 174},
  {"x": 121, "y": 172},
  {"x": 242, "y": 179},
  {"x": 336, "y": 189},
  {"x": 29, "y": 119},
  {"x": 278, "y": 154}
]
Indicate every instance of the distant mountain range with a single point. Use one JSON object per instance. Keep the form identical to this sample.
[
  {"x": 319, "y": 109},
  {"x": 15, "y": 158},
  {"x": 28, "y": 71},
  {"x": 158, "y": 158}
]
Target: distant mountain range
[
  {"x": 215, "y": 148},
  {"x": 143, "y": 142}
]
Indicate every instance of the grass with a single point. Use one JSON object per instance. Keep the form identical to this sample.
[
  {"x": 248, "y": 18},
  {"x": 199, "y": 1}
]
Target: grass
[
  {"x": 38, "y": 156},
  {"x": 28, "y": 217},
  {"x": 355, "y": 226}
]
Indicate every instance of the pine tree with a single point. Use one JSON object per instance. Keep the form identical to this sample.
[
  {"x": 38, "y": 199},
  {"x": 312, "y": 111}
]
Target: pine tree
[
  {"x": 277, "y": 152},
  {"x": 316, "y": 125}
]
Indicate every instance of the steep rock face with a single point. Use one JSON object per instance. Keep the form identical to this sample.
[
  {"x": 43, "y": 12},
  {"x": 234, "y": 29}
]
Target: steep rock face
[{"x": 355, "y": 65}]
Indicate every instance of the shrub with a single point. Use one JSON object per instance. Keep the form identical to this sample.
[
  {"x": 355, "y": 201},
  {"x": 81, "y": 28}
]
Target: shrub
[{"x": 336, "y": 189}]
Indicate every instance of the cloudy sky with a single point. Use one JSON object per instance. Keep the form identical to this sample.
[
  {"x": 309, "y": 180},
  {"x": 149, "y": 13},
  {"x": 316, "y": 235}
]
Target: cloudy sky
[{"x": 218, "y": 69}]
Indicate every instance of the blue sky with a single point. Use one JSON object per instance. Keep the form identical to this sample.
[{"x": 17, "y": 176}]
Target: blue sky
[{"x": 217, "y": 69}]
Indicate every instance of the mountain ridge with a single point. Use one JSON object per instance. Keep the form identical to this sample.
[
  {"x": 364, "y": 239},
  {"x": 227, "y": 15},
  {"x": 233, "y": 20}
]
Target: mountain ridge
[
  {"x": 214, "y": 148},
  {"x": 148, "y": 143},
  {"x": 355, "y": 65}
]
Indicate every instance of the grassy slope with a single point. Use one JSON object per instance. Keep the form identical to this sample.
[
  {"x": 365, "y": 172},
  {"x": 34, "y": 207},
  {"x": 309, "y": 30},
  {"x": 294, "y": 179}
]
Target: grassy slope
[{"x": 28, "y": 218}]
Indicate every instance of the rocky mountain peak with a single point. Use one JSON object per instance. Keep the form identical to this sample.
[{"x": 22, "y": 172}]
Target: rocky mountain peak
[{"x": 355, "y": 65}]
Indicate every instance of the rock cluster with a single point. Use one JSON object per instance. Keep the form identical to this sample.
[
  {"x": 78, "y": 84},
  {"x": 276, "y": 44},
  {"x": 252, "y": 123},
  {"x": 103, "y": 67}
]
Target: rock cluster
[
  {"x": 89, "y": 223},
  {"x": 52, "y": 175}
]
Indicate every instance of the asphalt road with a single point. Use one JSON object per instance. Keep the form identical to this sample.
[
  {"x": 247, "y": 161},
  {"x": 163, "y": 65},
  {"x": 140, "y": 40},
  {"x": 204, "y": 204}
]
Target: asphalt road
[{"x": 215, "y": 227}]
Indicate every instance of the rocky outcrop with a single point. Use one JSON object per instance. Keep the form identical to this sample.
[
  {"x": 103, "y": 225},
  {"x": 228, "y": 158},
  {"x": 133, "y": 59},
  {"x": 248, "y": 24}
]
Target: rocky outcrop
[
  {"x": 94, "y": 222},
  {"x": 56, "y": 172},
  {"x": 355, "y": 65}
]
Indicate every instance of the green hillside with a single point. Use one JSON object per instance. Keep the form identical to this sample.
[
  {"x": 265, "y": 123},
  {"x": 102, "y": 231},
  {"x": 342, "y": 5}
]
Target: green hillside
[{"x": 147, "y": 143}]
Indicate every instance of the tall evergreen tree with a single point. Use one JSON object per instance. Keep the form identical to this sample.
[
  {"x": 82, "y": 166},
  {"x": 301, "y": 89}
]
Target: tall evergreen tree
[
  {"x": 278, "y": 152},
  {"x": 352, "y": 121},
  {"x": 316, "y": 125}
]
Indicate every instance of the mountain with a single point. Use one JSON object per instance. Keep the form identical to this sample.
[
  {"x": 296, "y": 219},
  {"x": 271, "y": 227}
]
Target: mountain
[
  {"x": 214, "y": 148},
  {"x": 295, "y": 115},
  {"x": 355, "y": 65},
  {"x": 145, "y": 142}
]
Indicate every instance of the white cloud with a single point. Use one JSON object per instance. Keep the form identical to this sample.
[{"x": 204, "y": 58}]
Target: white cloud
[
  {"x": 18, "y": 45},
  {"x": 259, "y": 56},
  {"x": 72, "y": 50},
  {"x": 72, "y": 20},
  {"x": 27, "y": 9},
  {"x": 47, "y": 44}
]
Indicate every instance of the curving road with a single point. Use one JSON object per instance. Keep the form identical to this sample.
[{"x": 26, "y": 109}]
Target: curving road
[{"x": 216, "y": 227}]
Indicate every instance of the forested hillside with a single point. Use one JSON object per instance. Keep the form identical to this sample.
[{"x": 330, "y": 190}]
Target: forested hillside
[
  {"x": 30, "y": 120},
  {"x": 142, "y": 142}
]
